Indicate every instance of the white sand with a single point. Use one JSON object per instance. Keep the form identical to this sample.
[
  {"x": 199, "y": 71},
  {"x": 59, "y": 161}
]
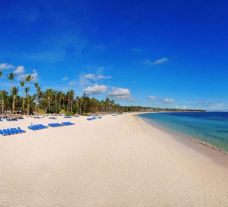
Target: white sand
[{"x": 116, "y": 161}]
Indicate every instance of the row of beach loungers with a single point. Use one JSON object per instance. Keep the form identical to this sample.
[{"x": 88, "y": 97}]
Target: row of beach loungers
[
  {"x": 10, "y": 118},
  {"x": 41, "y": 126},
  {"x": 36, "y": 127},
  {"x": 60, "y": 124},
  {"x": 52, "y": 117},
  {"x": 93, "y": 118},
  {"x": 18, "y": 130},
  {"x": 11, "y": 131},
  {"x": 4, "y": 116}
]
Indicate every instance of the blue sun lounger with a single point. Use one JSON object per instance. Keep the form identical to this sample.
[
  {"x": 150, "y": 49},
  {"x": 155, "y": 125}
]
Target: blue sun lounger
[
  {"x": 60, "y": 124},
  {"x": 11, "y": 131},
  {"x": 1, "y": 132},
  {"x": 20, "y": 130},
  {"x": 55, "y": 125},
  {"x": 67, "y": 117},
  {"x": 91, "y": 118},
  {"x": 67, "y": 123},
  {"x": 37, "y": 127}
]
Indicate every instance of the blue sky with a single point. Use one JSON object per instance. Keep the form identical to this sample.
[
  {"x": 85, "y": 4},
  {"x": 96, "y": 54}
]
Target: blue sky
[{"x": 154, "y": 53}]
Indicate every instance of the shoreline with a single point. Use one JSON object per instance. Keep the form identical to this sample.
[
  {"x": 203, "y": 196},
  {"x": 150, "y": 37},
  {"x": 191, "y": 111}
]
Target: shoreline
[{"x": 192, "y": 142}]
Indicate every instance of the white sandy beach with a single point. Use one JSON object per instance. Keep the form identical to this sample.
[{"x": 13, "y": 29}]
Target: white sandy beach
[{"x": 114, "y": 161}]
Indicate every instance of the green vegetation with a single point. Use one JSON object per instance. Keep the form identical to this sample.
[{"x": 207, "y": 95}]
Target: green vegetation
[{"x": 58, "y": 102}]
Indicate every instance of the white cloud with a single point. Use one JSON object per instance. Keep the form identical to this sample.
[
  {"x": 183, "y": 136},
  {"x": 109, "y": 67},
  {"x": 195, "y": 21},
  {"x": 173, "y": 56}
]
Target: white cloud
[
  {"x": 34, "y": 75},
  {"x": 161, "y": 100},
  {"x": 72, "y": 83},
  {"x": 6, "y": 66},
  {"x": 86, "y": 79},
  {"x": 152, "y": 98},
  {"x": 157, "y": 62},
  {"x": 167, "y": 100},
  {"x": 95, "y": 77},
  {"x": 23, "y": 75},
  {"x": 161, "y": 61},
  {"x": 120, "y": 94},
  {"x": 96, "y": 89},
  {"x": 19, "y": 70},
  {"x": 65, "y": 78},
  {"x": 212, "y": 106},
  {"x": 183, "y": 107}
]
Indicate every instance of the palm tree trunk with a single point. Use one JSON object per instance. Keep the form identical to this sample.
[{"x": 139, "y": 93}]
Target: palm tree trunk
[
  {"x": 49, "y": 105},
  {"x": 27, "y": 104},
  {"x": 2, "y": 102},
  {"x": 3, "y": 105},
  {"x": 38, "y": 102},
  {"x": 13, "y": 105},
  {"x": 28, "y": 108},
  {"x": 56, "y": 104},
  {"x": 23, "y": 104},
  {"x": 68, "y": 105}
]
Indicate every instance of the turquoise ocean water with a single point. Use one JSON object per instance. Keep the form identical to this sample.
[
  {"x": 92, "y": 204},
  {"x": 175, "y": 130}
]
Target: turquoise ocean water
[{"x": 209, "y": 127}]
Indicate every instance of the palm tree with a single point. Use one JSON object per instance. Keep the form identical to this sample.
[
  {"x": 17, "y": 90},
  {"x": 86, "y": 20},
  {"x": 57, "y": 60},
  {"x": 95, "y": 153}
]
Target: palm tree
[
  {"x": 36, "y": 85},
  {"x": 22, "y": 83},
  {"x": 70, "y": 98},
  {"x": 28, "y": 79},
  {"x": 2, "y": 103},
  {"x": 49, "y": 97},
  {"x": 26, "y": 95},
  {"x": 84, "y": 103},
  {"x": 56, "y": 101},
  {"x": 3, "y": 96},
  {"x": 11, "y": 77},
  {"x": 38, "y": 93},
  {"x": 61, "y": 98},
  {"x": 14, "y": 92},
  {"x": 45, "y": 100}
]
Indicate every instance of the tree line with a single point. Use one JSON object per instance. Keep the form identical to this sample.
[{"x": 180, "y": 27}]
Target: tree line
[
  {"x": 58, "y": 102},
  {"x": 53, "y": 101}
]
